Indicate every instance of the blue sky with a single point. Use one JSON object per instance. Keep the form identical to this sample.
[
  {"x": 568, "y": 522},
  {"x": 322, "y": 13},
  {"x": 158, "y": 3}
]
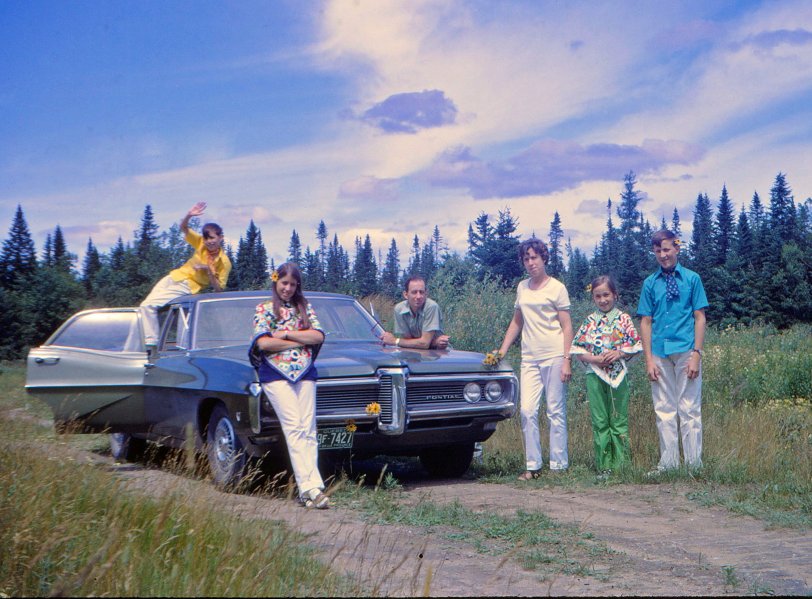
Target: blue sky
[{"x": 389, "y": 118}]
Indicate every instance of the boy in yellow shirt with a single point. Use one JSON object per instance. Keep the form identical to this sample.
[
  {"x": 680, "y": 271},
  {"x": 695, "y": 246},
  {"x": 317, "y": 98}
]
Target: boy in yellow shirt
[{"x": 209, "y": 266}]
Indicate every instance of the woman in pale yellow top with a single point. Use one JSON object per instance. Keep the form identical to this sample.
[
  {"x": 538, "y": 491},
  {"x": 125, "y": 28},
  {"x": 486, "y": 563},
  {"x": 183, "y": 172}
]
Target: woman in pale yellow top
[{"x": 208, "y": 267}]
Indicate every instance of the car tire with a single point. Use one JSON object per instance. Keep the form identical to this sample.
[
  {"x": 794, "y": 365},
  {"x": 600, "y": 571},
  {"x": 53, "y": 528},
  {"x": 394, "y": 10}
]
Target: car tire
[
  {"x": 123, "y": 446},
  {"x": 227, "y": 458},
  {"x": 451, "y": 461}
]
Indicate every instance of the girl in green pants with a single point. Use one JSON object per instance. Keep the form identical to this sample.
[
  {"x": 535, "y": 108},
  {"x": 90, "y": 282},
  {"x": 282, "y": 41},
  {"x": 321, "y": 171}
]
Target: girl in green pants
[{"x": 605, "y": 341}]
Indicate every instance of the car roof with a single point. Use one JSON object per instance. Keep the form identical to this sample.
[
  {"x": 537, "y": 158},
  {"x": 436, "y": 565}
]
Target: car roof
[{"x": 259, "y": 294}]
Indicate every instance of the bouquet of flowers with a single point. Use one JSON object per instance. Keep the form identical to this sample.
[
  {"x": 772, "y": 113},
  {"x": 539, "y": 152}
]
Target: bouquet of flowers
[{"x": 492, "y": 358}]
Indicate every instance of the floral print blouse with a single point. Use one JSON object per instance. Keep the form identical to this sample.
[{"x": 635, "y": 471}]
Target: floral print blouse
[
  {"x": 291, "y": 364},
  {"x": 604, "y": 331}
]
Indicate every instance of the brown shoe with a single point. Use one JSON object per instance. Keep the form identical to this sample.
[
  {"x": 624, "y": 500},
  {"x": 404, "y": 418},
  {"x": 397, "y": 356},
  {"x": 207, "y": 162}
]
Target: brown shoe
[{"x": 319, "y": 502}]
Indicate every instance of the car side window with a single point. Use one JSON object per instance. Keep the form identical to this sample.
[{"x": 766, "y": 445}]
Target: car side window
[
  {"x": 105, "y": 331},
  {"x": 177, "y": 329}
]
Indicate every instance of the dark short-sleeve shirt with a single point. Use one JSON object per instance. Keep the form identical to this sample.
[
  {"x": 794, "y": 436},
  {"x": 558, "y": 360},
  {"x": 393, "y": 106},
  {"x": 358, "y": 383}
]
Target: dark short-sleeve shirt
[{"x": 672, "y": 329}]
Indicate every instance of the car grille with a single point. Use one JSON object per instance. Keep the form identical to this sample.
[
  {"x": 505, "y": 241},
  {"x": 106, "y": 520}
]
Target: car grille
[{"x": 354, "y": 399}]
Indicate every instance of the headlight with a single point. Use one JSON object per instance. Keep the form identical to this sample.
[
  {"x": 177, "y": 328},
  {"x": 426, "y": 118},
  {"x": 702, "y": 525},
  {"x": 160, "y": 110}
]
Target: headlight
[
  {"x": 493, "y": 391},
  {"x": 472, "y": 392}
]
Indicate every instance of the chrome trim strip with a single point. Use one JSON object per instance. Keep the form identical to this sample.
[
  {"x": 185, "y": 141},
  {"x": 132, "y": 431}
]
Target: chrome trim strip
[
  {"x": 341, "y": 382},
  {"x": 472, "y": 376},
  {"x": 399, "y": 377}
]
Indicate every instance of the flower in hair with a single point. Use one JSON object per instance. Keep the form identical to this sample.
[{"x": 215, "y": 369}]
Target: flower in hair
[{"x": 275, "y": 276}]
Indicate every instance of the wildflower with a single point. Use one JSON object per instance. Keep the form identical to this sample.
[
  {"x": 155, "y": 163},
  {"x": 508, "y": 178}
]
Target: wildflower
[
  {"x": 588, "y": 288},
  {"x": 373, "y": 409},
  {"x": 492, "y": 358},
  {"x": 275, "y": 276},
  {"x": 351, "y": 428}
]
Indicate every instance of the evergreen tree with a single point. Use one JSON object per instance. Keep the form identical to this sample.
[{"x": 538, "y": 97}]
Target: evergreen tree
[
  {"x": 365, "y": 271},
  {"x": 702, "y": 251},
  {"x": 335, "y": 279},
  {"x": 62, "y": 258},
  {"x": 743, "y": 240},
  {"x": 438, "y": 245},
  {"x": 555, "y": 265},
  {"x": 428, "y": 261},
  {"x": 117, "y": 255},
  {"x": 724, "y": 229},
  {"x": 577, "y": 275},
  {"x": 494, "y": 248},
  {"x": 90, "y": 267},
  {"x": 607, "y": 254},
  {"x": 295, "y": 249},
  {"x": 311, "y": 270},
  {"x": 19, "y": 257},
  {"x": 321, "y": 253},
  {"x": 632, "y": 248},
  {"x": 391, "y": 271},
  {"x": 252, "y": 260},
  {"x": 414, "y": 267},
  {"x": 676, "y": 228},
  {"x": 48, "y": 251},
  {"x": 782, "y": 210},
  {"x": 147, "y": 233}
]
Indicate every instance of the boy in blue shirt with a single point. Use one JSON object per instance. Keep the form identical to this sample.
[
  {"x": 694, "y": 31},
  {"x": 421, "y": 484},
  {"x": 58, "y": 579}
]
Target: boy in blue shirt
[{"x": 672, "y": 327}]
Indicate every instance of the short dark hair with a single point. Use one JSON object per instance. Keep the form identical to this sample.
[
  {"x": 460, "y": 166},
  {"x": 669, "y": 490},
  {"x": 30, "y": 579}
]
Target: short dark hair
[
  {"x": 604, "y": 280},
  {"x": 212, "y": 227},
  {"x": 537, "y": 245},
  {"x": 662, "y": 235},
  {"x": 414, "y": 278}
]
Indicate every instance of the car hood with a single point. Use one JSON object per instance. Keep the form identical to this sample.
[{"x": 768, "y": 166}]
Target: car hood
[{"x": 352, "y": 359}]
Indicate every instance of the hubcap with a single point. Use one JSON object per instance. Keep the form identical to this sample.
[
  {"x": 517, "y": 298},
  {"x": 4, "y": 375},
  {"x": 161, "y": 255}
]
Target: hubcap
[{"x": 224, "y": 442}]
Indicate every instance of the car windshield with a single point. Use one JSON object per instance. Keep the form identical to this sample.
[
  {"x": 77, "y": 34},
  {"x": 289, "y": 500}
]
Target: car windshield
[{"x": 224, "y": 322}]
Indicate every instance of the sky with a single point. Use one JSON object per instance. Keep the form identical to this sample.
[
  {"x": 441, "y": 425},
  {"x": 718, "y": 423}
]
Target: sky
[{"x": 389, "y": 118}]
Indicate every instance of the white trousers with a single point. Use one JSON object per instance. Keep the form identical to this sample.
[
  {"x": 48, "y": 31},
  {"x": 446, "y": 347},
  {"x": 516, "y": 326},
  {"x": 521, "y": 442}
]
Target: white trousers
[
  {"x": 295, "y": 407},
  {"x": 165, "y": 290},
  {"x": 537, "y": 378},
  {"x": 678, "y": 406}
]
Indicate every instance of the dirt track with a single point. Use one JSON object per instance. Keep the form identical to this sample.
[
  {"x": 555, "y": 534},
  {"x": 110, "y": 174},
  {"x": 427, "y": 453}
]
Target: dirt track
[{"x": 666, "y": 544}]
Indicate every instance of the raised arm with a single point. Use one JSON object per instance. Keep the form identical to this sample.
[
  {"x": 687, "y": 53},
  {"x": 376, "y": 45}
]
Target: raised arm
[{"x": 196, "y": 210}]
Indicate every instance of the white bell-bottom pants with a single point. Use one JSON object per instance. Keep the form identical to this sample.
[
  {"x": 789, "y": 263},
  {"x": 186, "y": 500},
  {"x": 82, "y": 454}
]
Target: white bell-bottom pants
[
  {"x": 536, "y": 378},
  {"x": 295, "y": 407}
]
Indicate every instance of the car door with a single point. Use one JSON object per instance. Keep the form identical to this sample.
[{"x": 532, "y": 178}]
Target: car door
[{"x": 92, "y": 371}]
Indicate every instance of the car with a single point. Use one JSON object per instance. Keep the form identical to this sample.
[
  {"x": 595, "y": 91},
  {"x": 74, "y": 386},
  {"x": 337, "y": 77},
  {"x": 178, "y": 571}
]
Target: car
[{"x": 199, "y": 384}]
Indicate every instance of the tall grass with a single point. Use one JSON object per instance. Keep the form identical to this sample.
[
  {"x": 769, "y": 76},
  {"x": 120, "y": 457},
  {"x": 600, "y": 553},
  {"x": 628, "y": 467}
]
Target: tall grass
[{"x": 68, "y": 528}]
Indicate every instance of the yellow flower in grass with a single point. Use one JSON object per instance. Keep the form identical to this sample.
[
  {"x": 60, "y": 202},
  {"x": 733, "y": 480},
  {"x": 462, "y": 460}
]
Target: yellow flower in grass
[
  {"x": 373, "y": 409},
  {"x": 275, "y": 276},
  {"x": 351, "y": 428}
]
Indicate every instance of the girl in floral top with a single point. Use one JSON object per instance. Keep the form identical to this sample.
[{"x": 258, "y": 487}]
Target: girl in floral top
[
  {"x": 605, "y": 341},
  {"x": 286, "y": 332}
]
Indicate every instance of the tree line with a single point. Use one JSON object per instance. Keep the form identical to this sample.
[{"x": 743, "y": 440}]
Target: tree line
[{"x": 754, "y": 264}]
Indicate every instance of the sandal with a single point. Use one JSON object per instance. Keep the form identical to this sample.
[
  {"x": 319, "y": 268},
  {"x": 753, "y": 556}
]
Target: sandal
[
  {"x": 530, "y": 474},
  {"x": 319, "y": 502}
]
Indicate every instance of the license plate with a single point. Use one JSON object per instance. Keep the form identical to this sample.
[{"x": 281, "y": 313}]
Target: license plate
[{"x": 335, "y": 438}]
